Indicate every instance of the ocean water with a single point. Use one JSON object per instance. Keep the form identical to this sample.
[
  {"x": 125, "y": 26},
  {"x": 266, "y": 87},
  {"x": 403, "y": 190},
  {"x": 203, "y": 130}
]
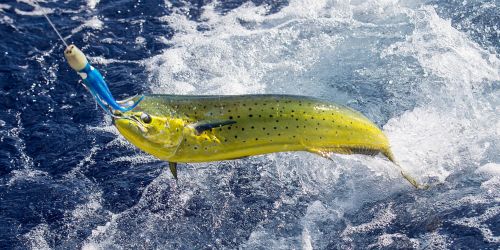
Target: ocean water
[{"x": 426, "y": 71}]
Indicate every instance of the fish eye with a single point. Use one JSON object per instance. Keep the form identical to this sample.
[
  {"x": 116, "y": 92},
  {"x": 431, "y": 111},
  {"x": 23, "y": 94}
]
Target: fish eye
[{"x": 146, "y": 118}]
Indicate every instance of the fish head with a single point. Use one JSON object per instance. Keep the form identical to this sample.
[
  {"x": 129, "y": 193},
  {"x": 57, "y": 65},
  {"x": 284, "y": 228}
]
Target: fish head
[{"x": 155, "y": 134}]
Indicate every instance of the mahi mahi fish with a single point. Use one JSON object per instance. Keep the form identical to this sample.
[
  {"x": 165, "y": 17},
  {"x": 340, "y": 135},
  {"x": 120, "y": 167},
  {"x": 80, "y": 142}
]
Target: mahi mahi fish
[{"x": 186, "y": 129}]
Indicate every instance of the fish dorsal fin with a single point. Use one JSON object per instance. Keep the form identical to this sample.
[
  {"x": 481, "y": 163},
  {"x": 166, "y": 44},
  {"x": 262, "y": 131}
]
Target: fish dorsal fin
[
  {"x": 203, "y": 126},
  {"x": 173, "y": 169}
]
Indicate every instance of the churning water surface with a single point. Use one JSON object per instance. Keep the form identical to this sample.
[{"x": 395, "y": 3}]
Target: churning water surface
[{"x": 427, "y": 72}]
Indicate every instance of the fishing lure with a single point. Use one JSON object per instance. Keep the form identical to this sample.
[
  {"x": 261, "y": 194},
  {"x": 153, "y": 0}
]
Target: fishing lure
[{"x": 94, "y": 82}]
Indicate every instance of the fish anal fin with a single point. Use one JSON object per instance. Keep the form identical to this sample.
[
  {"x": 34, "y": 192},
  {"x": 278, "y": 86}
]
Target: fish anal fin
[
  {"x": 320, "y": 152},
  {"x": 203, "y": 126},
  {"x": 173, "y": 169}
]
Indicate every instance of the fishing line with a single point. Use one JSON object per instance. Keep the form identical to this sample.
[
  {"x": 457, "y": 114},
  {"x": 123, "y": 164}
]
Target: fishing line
[{"x": 50, "y": 22}]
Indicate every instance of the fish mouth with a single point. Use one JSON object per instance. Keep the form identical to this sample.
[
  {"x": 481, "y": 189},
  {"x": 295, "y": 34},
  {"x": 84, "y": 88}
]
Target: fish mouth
[{"x": 129, "y": 123}]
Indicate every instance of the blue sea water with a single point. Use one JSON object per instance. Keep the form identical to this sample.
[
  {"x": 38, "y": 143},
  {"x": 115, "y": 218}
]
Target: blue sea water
[{"x": 426, "y": 71}]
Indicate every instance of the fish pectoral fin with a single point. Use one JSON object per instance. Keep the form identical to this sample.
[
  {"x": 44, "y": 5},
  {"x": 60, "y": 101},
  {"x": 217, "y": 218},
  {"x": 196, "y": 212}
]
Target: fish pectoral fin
[
  {"x": 173, "y": 169},
  {"x": 322, "y": 153},
  {"x": 203, "y": 126}
]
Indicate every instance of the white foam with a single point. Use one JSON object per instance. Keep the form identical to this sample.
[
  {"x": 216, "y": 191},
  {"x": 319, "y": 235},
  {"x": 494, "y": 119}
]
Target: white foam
[
  {"x": 92, "y": 3},
  {"x": 386, "y": 240},
  {"x": 435, "y": 240},
  {"x": 479, "y": 223},
  {"x": 37, "y": 9},
  {"x": 94, "y": 23},
  {"x": 4, "y": 7},
  {"x": 492, "y": 169},
  {"x": 105, "y": 61},
  {"x": 36, "y": 237},
  {"x": 382, "y": 219}
]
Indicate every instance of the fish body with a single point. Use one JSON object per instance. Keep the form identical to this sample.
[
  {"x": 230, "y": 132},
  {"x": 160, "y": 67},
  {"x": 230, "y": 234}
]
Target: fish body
[{"x": 213, "y": 128}]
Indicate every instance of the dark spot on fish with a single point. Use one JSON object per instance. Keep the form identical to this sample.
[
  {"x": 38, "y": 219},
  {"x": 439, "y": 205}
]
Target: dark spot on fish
[
  {"x": 271, "y": 116},
  {"x": 235, "y": 137},
  {"x": 229, "y": 111},
  {"x": 229, "y": 128},
  {"x": 277, "y": 121},
  {"x": 275, "y": 127},
  {"x": 286, "y": 127},
  {"x": 260, "y": 115},
  {"x": 249, "y": 109},
  {"x": 238, "y": 116},
  {"x": 253, "y": 127},
  {"x": 230, "y": 118},
  {"x": 242, "y": 129},
  {"x": 250, "y": 115},
  {"x": 195, "y": 148},
  {"x": 293, "y": 110},
  {"x": 279, "y": 134},
  {"x": 256, "y": 139}
]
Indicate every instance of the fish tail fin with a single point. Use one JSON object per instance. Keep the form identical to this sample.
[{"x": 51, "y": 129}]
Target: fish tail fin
[{"x": 388, "y": 153}]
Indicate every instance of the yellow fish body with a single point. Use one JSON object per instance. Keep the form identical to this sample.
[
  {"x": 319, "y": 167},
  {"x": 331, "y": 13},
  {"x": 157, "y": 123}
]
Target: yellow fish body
[{"x": 213, "y": 128}]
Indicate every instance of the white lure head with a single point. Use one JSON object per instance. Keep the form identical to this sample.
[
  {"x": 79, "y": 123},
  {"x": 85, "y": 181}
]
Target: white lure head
[{"x": 76, "y": 58}]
